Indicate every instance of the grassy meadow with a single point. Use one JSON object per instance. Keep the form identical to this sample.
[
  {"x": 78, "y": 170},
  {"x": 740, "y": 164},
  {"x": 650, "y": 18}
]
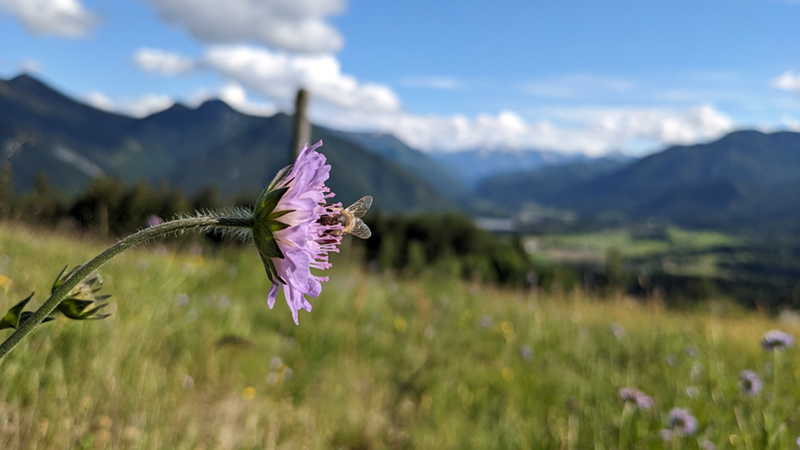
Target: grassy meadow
[{"x": 192, "y": 358}]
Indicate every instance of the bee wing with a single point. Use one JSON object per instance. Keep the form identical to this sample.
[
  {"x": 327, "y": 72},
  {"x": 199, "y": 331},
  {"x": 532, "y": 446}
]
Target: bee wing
[
  {"x": 360, "y": 207},
  {"x": 361, "y": 230}
]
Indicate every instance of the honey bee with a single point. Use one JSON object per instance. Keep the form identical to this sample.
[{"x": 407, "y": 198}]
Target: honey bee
[{"x": 350, "y": 218}]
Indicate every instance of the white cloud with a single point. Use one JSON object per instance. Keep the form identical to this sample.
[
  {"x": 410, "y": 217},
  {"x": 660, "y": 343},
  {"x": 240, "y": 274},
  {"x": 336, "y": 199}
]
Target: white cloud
[
  {"x": 67, "y": 18},
  {"x": 589, "y": 131},
  {"x": 341, "y": 101},
  {"x": 277, "y": 76},
  {"x": 294, "y": 25},
  {"x": 232, "y": 94},
  {"x": 236, "y": 96},
  {"x": 141, "y": 107},
  {"x": 787, "y": 81},
  {"x": 161, "y": 62},
  {"x": 448, "y": 83}
]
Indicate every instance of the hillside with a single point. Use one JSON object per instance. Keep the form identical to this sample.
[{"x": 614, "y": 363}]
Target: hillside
[
  {"x": 71, "y": 142},
  {"x": 746, "y": 175},
  {"x": 445, "y": 178},
  {"x": 745, "y": 180},
  {"x": 545, "y": 183}
]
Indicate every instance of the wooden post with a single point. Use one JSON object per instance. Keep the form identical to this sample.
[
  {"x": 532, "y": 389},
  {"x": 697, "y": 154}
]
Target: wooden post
[{"x": 301, "y": 128}]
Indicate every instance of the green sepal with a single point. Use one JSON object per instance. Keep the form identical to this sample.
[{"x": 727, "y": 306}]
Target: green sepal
[
  {"x": 266, "y": 244},
  {"x": 274, "y": 226},
  {"x": 279, "y": 177},
  {"x": 267, "y": 203},
  {"x": 275, "y": 215},
  {"x": 61, "y": 278},
  {"x": 272, "y": 273},
  {"x": 73, "y": 308},
  {"x": 78, "y": 309},
  {"x": 13, "y": 316}
]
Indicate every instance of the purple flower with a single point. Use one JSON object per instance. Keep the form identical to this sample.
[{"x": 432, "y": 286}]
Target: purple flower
[
  {"x": 639, "y": 398},
  {"x": 682, "y": 422},
  {"x": 750, "y": 382},
  {"x": 776, "y": 340},
  {"x": 295, "y": 229}
]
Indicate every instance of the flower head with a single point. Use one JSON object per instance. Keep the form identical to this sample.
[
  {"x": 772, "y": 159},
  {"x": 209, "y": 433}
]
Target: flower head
[
  {"x": 776, "y": 340},
  {"x": 294, "y": 229},
  {"x": 639, "y": 398},
  {"x": 82, "y": 302},
  {"x": 682, "y": 422},
  {"x": 750, "y": 382}
]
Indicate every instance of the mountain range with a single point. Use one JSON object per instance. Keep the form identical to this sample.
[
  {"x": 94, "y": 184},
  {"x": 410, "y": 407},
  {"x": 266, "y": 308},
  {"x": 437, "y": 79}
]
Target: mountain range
[
  {"x": 745, "y": 179},
  {"x": 42, "y": 130}
]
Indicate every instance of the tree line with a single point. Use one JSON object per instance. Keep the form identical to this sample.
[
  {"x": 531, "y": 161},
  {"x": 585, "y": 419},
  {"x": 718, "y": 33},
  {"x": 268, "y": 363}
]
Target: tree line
[{"x": 449, "y": 245}]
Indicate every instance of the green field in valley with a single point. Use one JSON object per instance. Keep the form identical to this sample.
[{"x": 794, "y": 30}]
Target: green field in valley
[{"x": 192, "y": 358}]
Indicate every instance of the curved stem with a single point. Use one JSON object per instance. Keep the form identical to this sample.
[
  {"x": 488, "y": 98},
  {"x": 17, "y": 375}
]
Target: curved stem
[{"x": 138, "y": 238}]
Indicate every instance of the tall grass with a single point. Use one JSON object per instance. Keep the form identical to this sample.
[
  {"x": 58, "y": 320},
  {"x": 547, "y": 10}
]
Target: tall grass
[{"x": 193, "y": 359}]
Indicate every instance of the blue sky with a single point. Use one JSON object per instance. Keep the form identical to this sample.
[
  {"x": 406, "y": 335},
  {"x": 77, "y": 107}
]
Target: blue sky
[{"x": 572, "y": 76}]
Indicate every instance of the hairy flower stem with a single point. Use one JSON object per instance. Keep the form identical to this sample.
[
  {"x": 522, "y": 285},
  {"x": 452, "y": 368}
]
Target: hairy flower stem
[{"x": 141, "y": 237}]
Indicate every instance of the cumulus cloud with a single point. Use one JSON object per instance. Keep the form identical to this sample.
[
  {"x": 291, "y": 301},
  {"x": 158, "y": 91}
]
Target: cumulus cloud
[
  {"x": 68, "y": 18},
  {"x": 341, "y": 101},
  {"x": 589, "y": 131},
  {"x": 787, "y": 81},
  {"x": 161, "y": 62},
  {"x": 277, "y": 76},
  {"x": 236, "y": 96},
  {"x": 141, "y": 107},
  {"x": 233, "y": 94},
  {"x": 294, "y": 25}
]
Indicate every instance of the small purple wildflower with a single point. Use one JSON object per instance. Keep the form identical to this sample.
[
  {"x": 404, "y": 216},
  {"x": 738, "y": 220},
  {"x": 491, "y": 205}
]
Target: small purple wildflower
[
  {"x": 666, "y": 435},
  {"x": 682, "y": 422},
  {"x": 776, "y": 340},
  {"x": 750, "y": 383},
  {"x": 294, "y": 229},
  {"x": 634, "y": 396}
]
